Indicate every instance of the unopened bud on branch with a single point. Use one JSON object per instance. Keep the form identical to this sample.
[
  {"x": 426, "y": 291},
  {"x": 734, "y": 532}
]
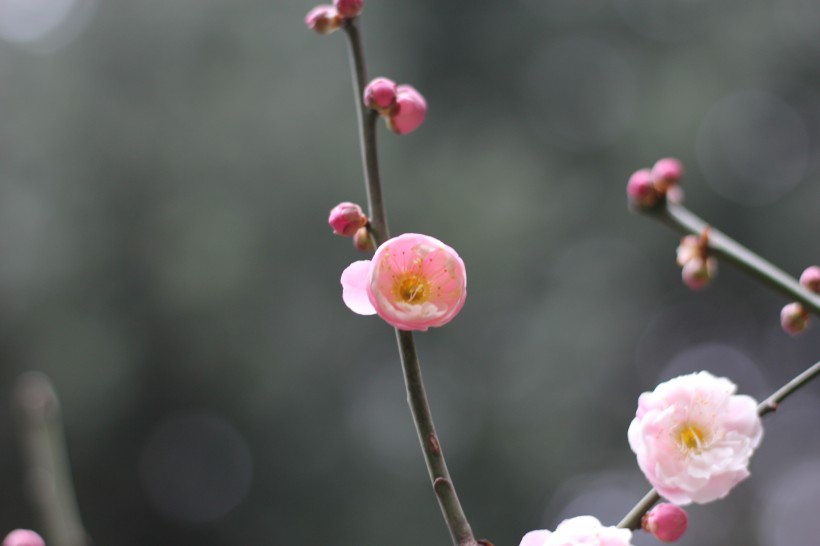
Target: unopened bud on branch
[
  {"x": 346, "y": 218},
  {"x": 666, "y": 521},
  {"x": 323, "y": 19}
]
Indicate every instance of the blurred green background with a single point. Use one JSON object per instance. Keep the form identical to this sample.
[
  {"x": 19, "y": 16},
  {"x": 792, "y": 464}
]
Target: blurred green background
[{"x": 166, "y": 170}]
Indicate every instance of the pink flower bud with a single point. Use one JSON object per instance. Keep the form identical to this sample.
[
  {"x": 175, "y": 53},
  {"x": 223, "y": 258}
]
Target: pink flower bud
[
  {"x": 380, "y": 95},
  {"x": 666, "y": 173},
  {"x": 811, "y": 279},
  {"x": 362, "y": 240},
  {"x": 348, "y": 8},
  {"x": 675, "y": 195},
  {"x": 409, "y": 111},
  {"x": 793, "y": 318},
  {"x": 323, "y": 19},
  {"x": 666, "y": 521},
  {"x": 698, "y": 272},
  {"x": 690, "y": 247},
  {"x": 346, "y": 218},
  {"x": 23, "y": 537},
  {"x": 640, "y": 190}
]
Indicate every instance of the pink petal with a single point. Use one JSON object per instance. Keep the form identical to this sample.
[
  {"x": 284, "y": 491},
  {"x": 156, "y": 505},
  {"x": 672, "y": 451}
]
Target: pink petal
[
  {"x": 535, "y": 538},
  {"x": 354, "y": 288}
]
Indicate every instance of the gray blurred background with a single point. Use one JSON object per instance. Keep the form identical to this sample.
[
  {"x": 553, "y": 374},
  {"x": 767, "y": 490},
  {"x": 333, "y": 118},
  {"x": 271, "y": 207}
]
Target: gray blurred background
[{"x": 166, "y": 169}]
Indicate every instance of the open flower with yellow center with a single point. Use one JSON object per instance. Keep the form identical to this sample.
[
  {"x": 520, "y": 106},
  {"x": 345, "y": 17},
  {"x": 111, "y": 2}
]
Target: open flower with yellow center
[
  {"x": 579, "y": 531},
  {"x": 413, "y": 282},
  {"x": 694, "y": 437}
]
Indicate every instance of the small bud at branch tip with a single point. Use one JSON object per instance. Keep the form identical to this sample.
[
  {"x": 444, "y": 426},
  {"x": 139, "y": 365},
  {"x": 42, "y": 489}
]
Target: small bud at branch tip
[{"x": 323, "y": 19}]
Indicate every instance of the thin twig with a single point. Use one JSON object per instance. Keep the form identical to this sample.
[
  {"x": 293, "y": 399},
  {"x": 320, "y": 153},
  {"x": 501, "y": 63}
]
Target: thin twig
[
  {"x": 771, "y": 403},
  {"x": 721, "y": 245},
  {"x": 443, "y": 487},
  {"x": 633, "y": 519},
  {"x": 457, "y": 523},
  {"x": 46, "y": 459},
  {"x": 367, "y": 135}
]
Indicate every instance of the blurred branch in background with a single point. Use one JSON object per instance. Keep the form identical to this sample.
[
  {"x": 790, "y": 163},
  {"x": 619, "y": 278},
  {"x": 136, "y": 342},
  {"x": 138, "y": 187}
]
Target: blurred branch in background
[
  {"x": 681, "y": 219},
  {"x": 47, "y": 471}
]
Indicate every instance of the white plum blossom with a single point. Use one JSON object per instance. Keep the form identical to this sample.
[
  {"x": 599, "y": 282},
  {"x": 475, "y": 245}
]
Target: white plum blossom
[
  {"x": 694, "y": 437},
  {"x": 579, "y": 531}
]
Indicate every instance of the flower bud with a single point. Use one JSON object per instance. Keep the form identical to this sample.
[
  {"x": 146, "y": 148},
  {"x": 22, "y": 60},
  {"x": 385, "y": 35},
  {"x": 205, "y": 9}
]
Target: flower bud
[
  {"x": 323, "y": 19},
  {"x": 380, "y": 95},
  {"x": 640, "y": 190},
  {"x": 811, "y": 279},
  {"x": 409, "y": 112},
  {"x": 362, "y": 240},
  {"x": 666, "y": 521},
  {"x": 346, "y": 218},
  {"x": 348, "y": 8},
  {"x": 698, "y": 272},
  {"x": 23, "y": 537},
  {"x": 690, "y": 247},
  {"x": 674, "y": 195},
  {"x": 666, "y": 173},
  {"x": 793, "y": 318}
]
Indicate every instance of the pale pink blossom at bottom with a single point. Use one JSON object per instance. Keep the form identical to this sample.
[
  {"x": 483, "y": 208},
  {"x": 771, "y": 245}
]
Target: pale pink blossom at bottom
[
  {"x": 409, "y": 112},
  {"x": 579, "y": 531},
  {"x": 693, "y": 437},
  {"x": 23, "y": 537},
  {"x": 413, "y": 282}
]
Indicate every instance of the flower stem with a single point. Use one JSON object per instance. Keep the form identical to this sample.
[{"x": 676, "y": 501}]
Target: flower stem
[
  {"x": 681, "y": 219},
  {"x": 367, "y": 136},
  {"x": 633, "y": 519},
  {"x": 771, "y": 403},
  {"x": 46, "y": 460},
  {"x": 454, "y": 516},
  {"x": 443, "y": 487}
]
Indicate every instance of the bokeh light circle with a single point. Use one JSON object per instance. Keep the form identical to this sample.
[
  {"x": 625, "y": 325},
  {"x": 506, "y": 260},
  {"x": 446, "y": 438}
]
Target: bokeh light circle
[
  {"x": 43, "y": 24},
  {"x": 195, "y": 467},
  {"x": 752, "y": 147},
  {"x": 581, "y": 93}
]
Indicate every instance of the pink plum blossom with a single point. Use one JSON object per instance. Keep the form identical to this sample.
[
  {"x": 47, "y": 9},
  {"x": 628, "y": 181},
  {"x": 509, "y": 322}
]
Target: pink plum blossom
[
  {"x": 794, "y": 318},
  {"x": 409, "y": 112},
  {"x": 323, "y": 19},
  {"x": 666, "y": 522},
  {"x": 413, "y": 282},
  {"x": 345, "y": 218},
  {"x": 23, "y": 537},
  {"x": 694, "y": 437},
  {"x": 579, "y": 531},
  {"x": 810, "y": 278},
  {"x": 348, "y": 8}
]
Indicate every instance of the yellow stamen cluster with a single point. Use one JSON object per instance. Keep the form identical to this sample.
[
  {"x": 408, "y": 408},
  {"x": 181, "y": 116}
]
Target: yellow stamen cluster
[
  {"x": 691, "y": 438},
  {"x": 412, "y": 288}
]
